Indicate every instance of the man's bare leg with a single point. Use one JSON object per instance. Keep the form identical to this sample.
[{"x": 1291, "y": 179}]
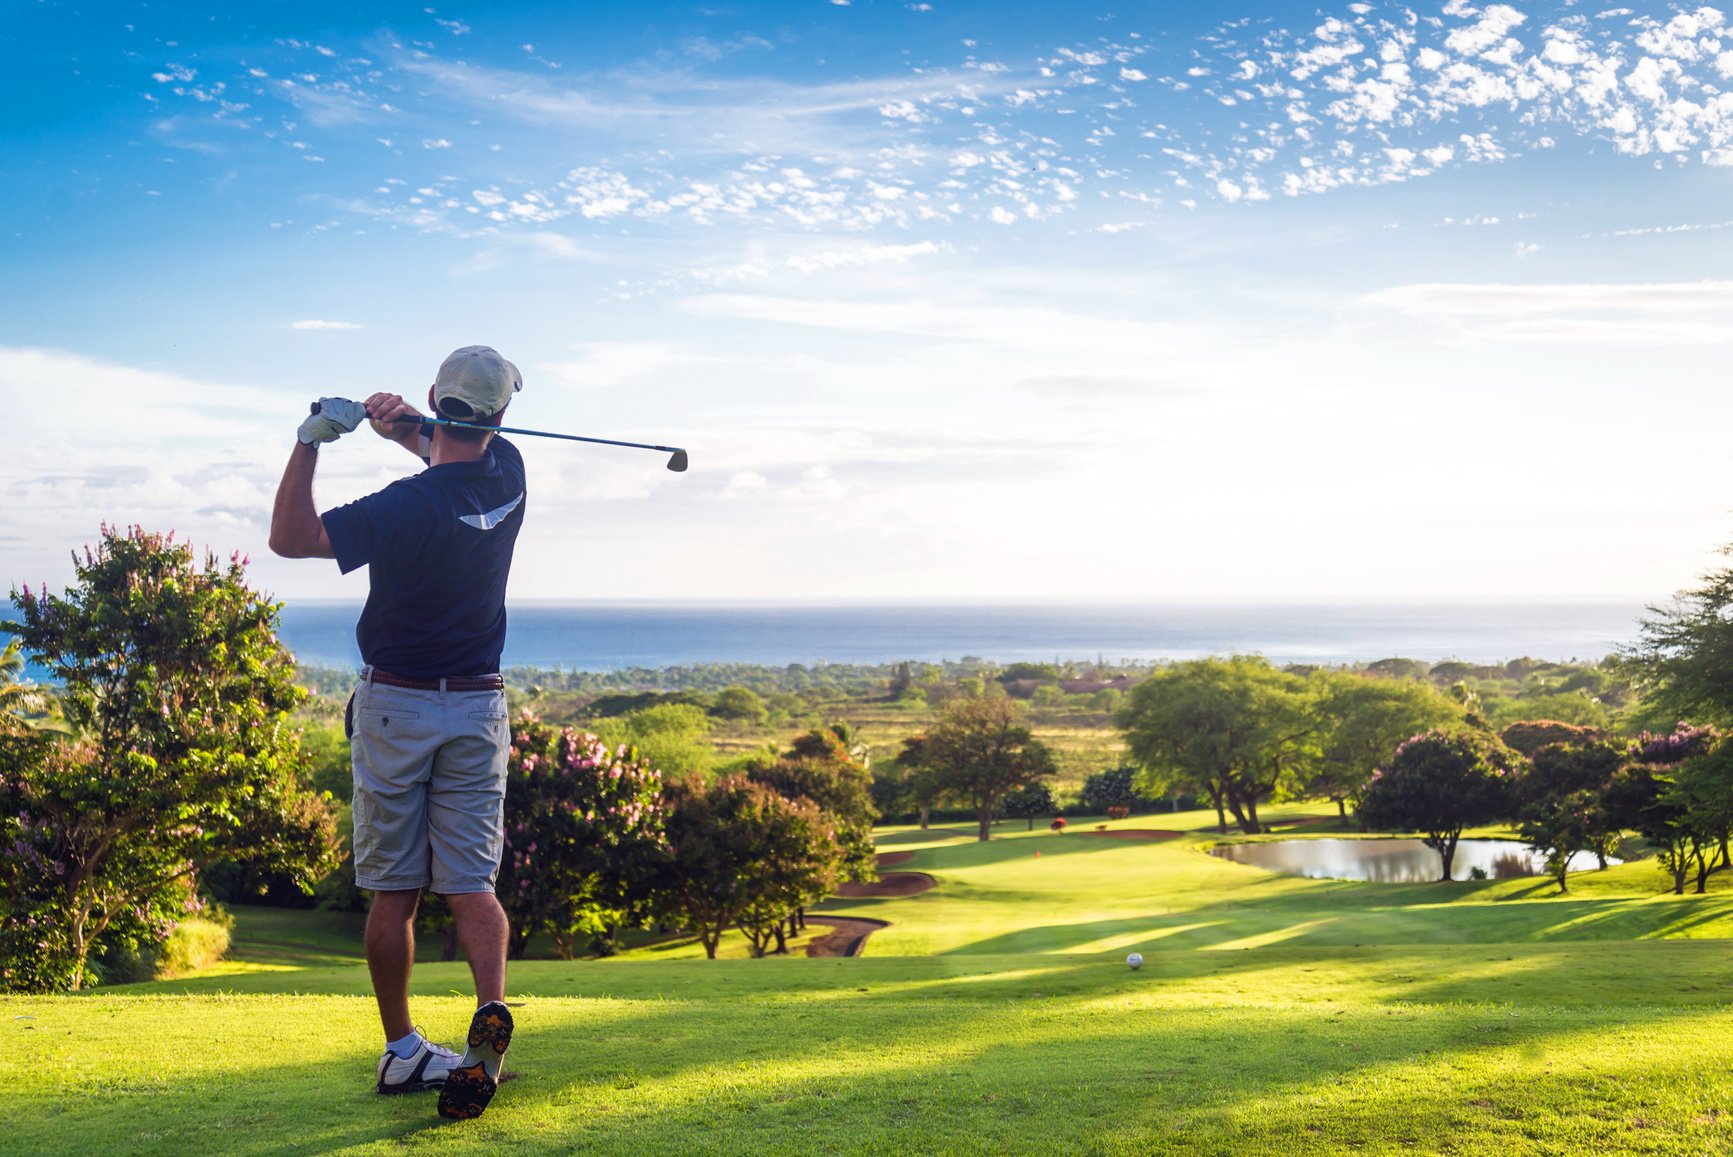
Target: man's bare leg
[
  {"x": 483, "y": 931},
  {"x": 390, "y": 943}
]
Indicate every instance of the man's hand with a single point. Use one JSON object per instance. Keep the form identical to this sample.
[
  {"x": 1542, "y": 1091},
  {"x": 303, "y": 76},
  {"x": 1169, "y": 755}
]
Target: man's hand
[
  {"x": 384, "y": 409},
  {"x": 336, "y": 417}
]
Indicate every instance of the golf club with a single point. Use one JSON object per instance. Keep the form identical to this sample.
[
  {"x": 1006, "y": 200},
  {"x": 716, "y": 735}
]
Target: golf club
[{"x": 676, "y": 460}]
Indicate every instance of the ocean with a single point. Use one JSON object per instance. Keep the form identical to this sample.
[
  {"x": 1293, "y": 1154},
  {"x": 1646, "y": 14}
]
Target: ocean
[{"x": 610, "y": 636}]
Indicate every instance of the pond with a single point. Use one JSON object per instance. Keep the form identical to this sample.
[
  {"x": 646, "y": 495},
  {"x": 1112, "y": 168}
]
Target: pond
[{"x": 1395, "y": 861}]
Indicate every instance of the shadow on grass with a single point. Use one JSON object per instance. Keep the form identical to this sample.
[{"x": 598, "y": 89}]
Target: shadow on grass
[{"x": 1342, "y": 915}]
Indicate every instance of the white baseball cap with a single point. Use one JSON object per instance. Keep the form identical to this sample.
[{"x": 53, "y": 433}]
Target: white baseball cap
[{"x": 474, "y": 384}]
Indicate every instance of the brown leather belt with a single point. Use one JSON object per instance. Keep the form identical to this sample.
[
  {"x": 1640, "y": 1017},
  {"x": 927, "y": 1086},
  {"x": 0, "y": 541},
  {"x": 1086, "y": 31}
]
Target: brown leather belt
[{"x": 458, "y": 683}]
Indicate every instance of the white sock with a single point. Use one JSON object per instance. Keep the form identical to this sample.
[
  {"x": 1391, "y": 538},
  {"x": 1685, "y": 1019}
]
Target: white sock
[{"x": 405, "y": 1048}]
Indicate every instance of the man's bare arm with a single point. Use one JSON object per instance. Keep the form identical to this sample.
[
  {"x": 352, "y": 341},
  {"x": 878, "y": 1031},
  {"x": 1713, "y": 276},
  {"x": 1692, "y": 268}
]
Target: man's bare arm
[{"x": 296, "y": 528}]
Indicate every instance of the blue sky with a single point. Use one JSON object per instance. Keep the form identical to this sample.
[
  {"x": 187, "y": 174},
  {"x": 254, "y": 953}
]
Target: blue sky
[{"x": 946, "y": 299}]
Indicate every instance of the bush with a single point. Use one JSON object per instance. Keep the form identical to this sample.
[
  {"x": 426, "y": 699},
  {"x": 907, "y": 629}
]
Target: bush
[
  {"x": 196, "y": 943},
  {"x": 583, "y": 823},
  {"x": 739, "y": 703},
  {"x": 1531, "y": 735}
]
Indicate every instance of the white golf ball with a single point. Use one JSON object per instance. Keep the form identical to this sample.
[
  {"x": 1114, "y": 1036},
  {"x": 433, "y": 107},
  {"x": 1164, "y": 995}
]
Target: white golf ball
[{"x": 1134, "y": 961}]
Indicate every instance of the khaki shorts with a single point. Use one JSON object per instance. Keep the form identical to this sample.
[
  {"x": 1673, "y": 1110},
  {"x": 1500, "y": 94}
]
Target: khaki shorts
[{"x": 429, "y": 787}]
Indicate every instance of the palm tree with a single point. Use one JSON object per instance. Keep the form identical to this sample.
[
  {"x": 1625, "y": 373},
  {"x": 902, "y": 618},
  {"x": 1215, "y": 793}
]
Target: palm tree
[{"x": 16, "y": 699}]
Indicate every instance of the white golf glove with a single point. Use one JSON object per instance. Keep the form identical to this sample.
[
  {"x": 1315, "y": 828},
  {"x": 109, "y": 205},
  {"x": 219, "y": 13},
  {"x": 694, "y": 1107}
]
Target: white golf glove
[{"x": 336, "y": 417}]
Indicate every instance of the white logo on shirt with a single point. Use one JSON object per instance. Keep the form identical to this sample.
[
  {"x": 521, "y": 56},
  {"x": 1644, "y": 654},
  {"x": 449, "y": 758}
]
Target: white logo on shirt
[{"x": 493, "y": 517}]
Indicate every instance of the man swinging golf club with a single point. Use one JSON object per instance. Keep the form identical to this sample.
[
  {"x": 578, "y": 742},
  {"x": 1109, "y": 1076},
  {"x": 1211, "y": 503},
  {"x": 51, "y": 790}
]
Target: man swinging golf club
[{"x": 427, "y": 722}]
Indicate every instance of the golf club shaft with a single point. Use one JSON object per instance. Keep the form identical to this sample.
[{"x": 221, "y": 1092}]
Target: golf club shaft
[{"x": 423, "y": 421}]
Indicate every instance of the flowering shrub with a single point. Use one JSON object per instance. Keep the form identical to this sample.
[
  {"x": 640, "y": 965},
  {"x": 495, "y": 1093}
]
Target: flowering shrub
[
  {"x": 583, "y": 823},
  {"x": 1671, "y": 750},
  {"x": 1118, "y": 812}
]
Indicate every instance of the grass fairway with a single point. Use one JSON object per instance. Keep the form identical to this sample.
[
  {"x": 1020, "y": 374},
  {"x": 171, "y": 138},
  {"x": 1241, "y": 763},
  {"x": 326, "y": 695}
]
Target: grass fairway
[{"x": 995, "y": 1015}]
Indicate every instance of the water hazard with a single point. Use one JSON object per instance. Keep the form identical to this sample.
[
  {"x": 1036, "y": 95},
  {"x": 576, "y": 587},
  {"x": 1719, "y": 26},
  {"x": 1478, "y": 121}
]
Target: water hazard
[{"x": 1396, "y": 861}]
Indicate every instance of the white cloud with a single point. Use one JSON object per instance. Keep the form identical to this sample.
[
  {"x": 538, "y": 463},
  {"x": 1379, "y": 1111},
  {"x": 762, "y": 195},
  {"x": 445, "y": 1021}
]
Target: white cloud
[
  {"x": 1660, "y": 314},
  {"x": 860, "y": 255},
  {"x": 609, "y": 364},
  {"x": 744, "y": 483},
  {"x": 1495, "y": 300},
  {"x": 314, "y": 323}
]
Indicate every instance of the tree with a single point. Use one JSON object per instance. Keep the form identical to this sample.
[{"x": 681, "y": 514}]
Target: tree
[
  {"x": 1109, "y": 789},
  {"x": 981, "y": 751},
  {"x": 1438, "y": 784},
  {"x": 1236, "y": 730},
  {"x": 1029, "y": 801},
  {"x": 1397, "y": 668},
  {"x": 740, "y": 703},
  {"x": 1561, "y": 802},
  {"x": 1683, "y": 660},
  {"x": 909, "y": 782},
  {"x": 739, "y": 853},
  {"x": 583, "y": 833},
  {"x": 1571, "y": 707},
  {"x": 178, "y": 692},
  {"x": 1678, "y": 794},
  {"x": 17, "y": 698},
  {"x": 819, "y": 766},
  {"x": 671, "y": 737},
  {"x": 1361, "y": 721},
  {"x": 1702, "y": 789},
  {"x": 1030, "y": 672}
]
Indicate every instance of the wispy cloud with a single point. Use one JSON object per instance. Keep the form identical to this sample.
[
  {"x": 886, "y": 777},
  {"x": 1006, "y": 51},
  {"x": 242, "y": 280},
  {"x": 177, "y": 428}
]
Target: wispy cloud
[
  {"x": 316, "y": 323},
  {"x": 1495, "y": 300},
  {"x": 1370, "y": 94},
  {"x": 1663, "y": 314}
]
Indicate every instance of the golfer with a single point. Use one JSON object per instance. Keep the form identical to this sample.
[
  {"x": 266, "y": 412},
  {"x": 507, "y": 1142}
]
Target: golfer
[{"x": 427, "y": 722}]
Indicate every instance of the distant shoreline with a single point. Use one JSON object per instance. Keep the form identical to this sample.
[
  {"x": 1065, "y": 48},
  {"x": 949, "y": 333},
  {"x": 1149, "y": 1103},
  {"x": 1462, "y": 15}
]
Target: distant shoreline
[{"x": 604, "y": 636}]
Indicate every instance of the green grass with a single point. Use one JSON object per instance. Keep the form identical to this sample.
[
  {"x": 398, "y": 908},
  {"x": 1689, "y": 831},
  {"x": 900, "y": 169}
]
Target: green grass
[{"x": 995, "y": 1015}]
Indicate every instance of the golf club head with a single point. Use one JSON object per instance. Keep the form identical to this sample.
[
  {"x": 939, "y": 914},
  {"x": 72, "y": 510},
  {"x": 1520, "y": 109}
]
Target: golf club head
[{"x": 677, "y": 463}]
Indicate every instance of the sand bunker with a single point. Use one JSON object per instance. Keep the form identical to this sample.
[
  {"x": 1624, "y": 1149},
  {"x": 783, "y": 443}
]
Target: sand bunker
[
  {"x": 888, "y": 884},
  {"x": 891, "y": 859},
  {"x": 846, "y": 937},
  {"x": 1133, "y": 834}
]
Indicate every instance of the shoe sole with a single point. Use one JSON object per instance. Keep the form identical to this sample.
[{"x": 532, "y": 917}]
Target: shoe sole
[{"x": 468, "y": 1089}]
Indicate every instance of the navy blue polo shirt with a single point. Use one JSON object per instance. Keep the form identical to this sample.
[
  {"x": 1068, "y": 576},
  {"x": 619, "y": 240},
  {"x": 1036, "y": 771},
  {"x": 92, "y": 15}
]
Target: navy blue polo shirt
[{"x": 440, "y": 545}]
